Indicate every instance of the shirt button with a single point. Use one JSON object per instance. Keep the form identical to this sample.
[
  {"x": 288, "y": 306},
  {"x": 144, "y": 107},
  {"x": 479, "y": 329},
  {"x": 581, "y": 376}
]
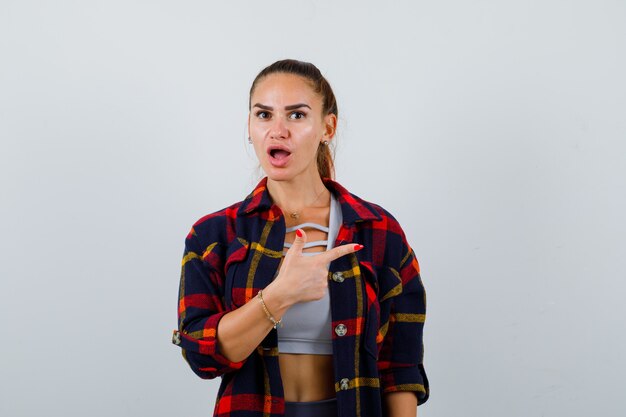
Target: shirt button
[
  {"x": 341, "y": 329},
  {"x": 338, "y": 277},
  {"x": 176, "y": 337},
  {"x": 343, "y": 384}
]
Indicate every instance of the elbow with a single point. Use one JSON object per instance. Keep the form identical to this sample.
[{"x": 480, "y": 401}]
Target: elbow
[
  {"x": 208, "y": 367},
  {"x": 203, "y": 356},
  {"x": 204, "y": 372}
]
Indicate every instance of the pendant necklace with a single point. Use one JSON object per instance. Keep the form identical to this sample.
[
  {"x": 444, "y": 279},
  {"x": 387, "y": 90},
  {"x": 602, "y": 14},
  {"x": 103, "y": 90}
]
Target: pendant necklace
[{"x": 296, "y": 214}]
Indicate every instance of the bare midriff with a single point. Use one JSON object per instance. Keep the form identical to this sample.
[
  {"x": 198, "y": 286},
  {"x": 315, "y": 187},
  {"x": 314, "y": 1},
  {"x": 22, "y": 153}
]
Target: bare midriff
[{"x": 308, "y": 377}]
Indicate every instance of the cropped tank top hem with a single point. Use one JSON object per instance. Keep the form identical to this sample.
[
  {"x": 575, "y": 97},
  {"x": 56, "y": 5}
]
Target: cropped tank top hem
[
  {"x": 306, "y": 327},
  {"x": 312, "y": 347}
]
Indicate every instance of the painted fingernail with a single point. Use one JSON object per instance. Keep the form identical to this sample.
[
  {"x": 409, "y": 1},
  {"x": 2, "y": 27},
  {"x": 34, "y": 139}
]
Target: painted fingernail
[
  {"x": 358, "y": 247},
  {"x": 298, "y": 232}
]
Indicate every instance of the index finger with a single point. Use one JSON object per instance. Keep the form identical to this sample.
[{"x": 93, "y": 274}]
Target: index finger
[{"x": 339, "y": 251}]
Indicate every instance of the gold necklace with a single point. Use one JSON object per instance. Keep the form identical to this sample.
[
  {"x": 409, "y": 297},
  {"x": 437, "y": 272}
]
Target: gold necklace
[{"x": 296, "y": 214}]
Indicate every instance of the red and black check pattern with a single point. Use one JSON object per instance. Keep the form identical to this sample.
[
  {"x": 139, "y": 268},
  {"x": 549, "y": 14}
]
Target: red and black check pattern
[{"x": 379, "y": 297}]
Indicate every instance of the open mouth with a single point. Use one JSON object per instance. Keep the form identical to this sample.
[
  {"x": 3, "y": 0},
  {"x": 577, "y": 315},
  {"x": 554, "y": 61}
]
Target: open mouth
[{"x": 279, "y": 154}]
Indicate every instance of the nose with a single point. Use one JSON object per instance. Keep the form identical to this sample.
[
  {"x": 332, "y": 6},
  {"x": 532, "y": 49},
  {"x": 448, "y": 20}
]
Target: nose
[{"x": 278, "y": 129}]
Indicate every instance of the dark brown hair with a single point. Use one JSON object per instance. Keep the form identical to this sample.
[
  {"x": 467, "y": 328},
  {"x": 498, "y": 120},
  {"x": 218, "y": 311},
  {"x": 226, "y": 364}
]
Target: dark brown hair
[{"x": 308, "y": 71}]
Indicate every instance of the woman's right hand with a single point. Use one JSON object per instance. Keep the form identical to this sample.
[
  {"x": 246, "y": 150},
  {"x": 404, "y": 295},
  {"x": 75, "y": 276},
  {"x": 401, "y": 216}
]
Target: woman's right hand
[
  {"x": 305, "y": 278},
  {"x": 300, "y": 278}
]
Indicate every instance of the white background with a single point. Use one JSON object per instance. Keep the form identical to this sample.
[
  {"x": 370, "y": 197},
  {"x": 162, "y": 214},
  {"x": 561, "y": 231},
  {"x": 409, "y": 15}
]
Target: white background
[{"x": 493, "y": 131}]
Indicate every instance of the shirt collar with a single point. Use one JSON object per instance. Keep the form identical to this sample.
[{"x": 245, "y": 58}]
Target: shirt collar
[{"x": 353, "y": 208}]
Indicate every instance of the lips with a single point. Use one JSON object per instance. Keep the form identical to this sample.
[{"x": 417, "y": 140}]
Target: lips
[{"x": 273, "y": 148}]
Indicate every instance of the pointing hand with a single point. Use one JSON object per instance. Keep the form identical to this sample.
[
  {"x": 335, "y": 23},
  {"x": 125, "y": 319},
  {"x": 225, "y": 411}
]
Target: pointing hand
[{"x": 305, "y": 278}]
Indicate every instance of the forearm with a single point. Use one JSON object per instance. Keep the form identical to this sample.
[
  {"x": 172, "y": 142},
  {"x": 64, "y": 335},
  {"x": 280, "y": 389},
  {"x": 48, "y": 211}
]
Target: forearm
[
  {"x": 240, "y": 331},
  {"x": 401, "y": 404}
]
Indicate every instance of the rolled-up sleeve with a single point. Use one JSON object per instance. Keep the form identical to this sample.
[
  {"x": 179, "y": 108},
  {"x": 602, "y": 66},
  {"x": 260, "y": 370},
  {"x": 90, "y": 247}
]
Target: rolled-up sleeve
[
  {"x": 200, "y": 308},
  {"x": 401, "y": 357}
]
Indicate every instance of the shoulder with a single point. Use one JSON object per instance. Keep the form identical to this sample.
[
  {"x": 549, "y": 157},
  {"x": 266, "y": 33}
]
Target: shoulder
[
  {"x": 209, "y": 236},
  {"x": 216, "y": 227},
  {"x": 386, "y": 234},
  {"x": 388, "y": 221},
  {"x": 380, "y": 220},
  {"x": 367, "y": 213},
  {"x": 398, "y": 260}
]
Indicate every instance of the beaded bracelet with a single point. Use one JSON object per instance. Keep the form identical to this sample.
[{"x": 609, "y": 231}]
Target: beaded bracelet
[{"x": 267, "y": 312}]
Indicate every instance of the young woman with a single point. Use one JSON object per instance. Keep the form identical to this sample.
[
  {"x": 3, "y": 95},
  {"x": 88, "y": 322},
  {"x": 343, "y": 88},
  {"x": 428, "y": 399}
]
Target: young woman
[{"x": 306, "y": 299}]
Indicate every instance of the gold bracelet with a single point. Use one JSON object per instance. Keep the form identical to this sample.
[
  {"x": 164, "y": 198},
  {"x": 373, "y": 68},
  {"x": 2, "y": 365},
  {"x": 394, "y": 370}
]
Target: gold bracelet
[{"x": 267, "y": 312}]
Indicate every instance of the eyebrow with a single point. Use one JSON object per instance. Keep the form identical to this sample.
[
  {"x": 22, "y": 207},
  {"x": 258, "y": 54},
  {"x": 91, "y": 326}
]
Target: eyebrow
[{"x": 290, "y": 107}]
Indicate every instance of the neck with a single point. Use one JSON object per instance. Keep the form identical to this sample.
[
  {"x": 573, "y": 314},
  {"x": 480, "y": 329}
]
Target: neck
[{"x": 298, "y": 193}]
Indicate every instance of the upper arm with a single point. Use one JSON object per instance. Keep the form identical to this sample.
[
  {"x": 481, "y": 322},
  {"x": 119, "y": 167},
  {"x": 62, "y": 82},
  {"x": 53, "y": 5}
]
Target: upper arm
[
  {"x": 201, "y": 306},
  {"x": 402, "y": 352}
]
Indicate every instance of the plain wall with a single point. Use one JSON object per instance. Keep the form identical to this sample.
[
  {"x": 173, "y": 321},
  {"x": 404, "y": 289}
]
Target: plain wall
[{"x": 494, "y": 131}]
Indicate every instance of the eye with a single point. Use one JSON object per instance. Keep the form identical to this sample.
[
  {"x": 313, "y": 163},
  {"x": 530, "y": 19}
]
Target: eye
[
  {"x": 262, "y": 114},
  {"x": 299, "y": 115}
]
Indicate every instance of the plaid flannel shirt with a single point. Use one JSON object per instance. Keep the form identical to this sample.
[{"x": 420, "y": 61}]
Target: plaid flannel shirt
[{"x": 376, "y": 293}]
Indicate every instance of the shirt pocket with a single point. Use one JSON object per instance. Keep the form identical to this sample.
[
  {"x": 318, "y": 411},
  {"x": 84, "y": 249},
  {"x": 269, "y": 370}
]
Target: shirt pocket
[
  {"x": 381, "y": 285},
  {"x": 236, "y": 275}
]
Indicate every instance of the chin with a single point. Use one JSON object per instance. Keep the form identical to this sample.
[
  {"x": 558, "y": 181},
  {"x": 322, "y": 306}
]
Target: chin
[
  {"x": 272, "y": 171},
  {"x": 278, "y": 176}
]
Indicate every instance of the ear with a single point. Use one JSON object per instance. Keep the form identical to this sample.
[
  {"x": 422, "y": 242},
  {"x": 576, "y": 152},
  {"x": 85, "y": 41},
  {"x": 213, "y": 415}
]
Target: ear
[{"x": 330, "y": 125}]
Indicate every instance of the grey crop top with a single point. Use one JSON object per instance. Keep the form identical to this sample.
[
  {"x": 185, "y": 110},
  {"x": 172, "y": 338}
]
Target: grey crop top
[{"x": 306, "y": 327}]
